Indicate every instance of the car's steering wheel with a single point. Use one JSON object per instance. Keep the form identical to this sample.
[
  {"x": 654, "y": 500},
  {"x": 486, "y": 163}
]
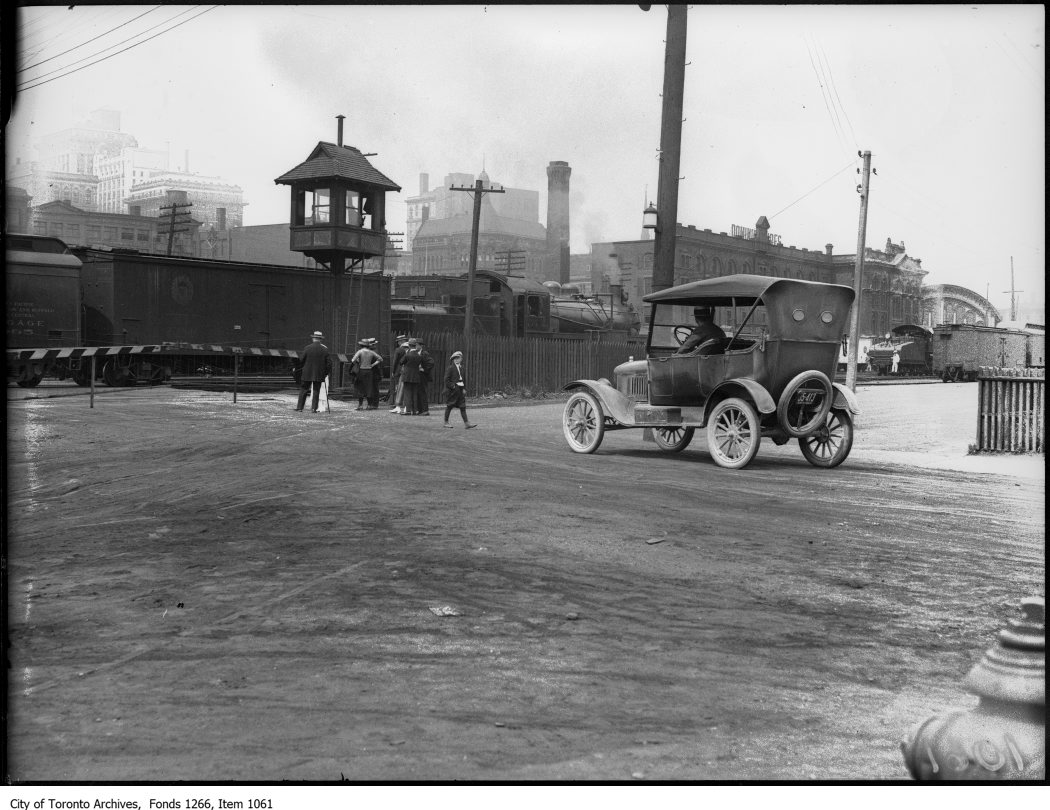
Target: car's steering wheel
[{"x": 681, "y": 333}]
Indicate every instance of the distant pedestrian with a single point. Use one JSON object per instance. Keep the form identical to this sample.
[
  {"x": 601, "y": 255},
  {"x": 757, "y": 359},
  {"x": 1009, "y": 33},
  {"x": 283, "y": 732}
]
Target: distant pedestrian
[
  {"x": 411, "y": 378},
  {"x": 426, "y": 368},
  {"x": 456, "y": 389},
  {"x": 896, "y": 361},
  {"x": 366, "y": 363},
  {"x": 315, "y": 365},
  {"x": 397, "y": 389}
]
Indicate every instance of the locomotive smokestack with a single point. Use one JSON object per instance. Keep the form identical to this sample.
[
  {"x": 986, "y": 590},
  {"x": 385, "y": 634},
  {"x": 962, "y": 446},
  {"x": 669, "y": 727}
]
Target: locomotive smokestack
[{"x": 339, "y": 134}]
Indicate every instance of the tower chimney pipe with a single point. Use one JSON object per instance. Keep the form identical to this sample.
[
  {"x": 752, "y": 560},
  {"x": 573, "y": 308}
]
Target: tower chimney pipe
[{"x": 339, "y": 137}]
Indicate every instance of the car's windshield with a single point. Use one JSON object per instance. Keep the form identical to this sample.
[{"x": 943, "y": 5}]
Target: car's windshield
[{"x": 667, "y": 318}]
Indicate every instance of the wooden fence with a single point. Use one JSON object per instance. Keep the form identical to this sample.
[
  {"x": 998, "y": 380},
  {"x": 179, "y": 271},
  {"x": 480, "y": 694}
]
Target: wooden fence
[
  {"x": 1011, "y": 410},
  {"x": 516, "y": 365}
]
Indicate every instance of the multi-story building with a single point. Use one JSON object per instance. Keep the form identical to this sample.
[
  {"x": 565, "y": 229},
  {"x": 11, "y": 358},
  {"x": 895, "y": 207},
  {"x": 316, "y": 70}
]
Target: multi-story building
[
  {"x": 892, "y": 285},
  {"x": 442, "y": 246},
  {"x": 118, "y": 173},
  {"x": 214, "y": 203},
  {"x": 64, "y": 168},
  {"x": 443, "y": 203},
  {"x": 510, "y": 237},
  {"x": 47, "y": 185},
  {"x": 76, "y": 226}
]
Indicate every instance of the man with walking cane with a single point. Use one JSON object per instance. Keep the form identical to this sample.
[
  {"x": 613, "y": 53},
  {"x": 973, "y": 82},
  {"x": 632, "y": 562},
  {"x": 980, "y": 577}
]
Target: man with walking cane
[{"x": 315, "y": 365}]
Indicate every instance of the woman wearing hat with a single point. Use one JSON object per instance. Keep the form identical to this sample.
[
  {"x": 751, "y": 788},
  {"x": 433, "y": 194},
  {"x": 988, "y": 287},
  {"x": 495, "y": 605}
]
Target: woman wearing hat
[
  {"x": 397, "y": 389},
  {"x": 456, "y": 389},
  {"x": 412, "y": 378}
]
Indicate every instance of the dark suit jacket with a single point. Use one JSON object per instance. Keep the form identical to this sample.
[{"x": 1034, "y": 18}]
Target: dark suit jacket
[
  {"x": 454, "y": 394},
  {"x": 410, "y": 368},
  {"x": 426, "y": 365},
  {"x": 701, "y": 333},
  {"x": 315, "y": 362},
  {"x": 399, "y": 358}
]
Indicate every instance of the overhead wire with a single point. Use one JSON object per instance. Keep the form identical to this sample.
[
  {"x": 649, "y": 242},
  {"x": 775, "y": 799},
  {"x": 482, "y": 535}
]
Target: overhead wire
[
  {"x": 834, "y": 89},
  {"x": 819, "y": 185},
  {"x": 86, "y": 42},
  {"x": 824, "y": 96},
  {"x": 33, "y": 83},
  {"x": 98, "y": 53},
  {"x": 49, "y": 29}
]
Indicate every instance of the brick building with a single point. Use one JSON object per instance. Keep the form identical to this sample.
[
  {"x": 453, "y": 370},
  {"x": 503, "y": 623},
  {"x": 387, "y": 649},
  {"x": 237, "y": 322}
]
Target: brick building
[{"x": 892, "y": 279}]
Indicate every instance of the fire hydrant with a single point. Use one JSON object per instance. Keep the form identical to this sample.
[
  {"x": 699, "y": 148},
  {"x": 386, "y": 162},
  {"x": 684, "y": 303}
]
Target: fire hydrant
[{"x": 1004, "y": 736}]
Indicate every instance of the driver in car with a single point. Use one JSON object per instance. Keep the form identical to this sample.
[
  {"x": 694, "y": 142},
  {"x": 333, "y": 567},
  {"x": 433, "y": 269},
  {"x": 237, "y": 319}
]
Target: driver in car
[{"x": 706, "y": 329}]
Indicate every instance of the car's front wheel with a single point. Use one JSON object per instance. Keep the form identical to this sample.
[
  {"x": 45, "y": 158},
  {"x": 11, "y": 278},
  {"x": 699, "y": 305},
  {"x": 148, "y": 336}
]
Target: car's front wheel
[
  {"x": 673, "y": 439},
  {"x": 733, "y": 433},
  {"x": 583, "y": 422}
]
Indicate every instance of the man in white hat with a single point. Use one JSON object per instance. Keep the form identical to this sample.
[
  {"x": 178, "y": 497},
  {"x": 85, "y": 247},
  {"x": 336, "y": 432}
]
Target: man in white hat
[
  {"x": 315, "y": 365},
  {"x": 456, "y": 389}
]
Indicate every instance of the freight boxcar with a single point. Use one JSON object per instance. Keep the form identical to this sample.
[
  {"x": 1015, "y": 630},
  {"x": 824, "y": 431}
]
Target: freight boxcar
[
  {"x": 133, "y": 298},
  {"x": 959, "y": 350},
  {"x": 42, "y": 285}
]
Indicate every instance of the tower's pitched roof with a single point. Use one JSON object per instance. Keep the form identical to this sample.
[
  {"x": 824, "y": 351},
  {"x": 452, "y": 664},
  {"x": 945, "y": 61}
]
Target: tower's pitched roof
[{"x": 327, "y": 160}]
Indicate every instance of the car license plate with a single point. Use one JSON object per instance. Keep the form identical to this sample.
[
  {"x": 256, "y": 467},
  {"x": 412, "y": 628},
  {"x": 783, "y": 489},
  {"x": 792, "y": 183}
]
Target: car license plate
[{"x": 806, "y": 397}]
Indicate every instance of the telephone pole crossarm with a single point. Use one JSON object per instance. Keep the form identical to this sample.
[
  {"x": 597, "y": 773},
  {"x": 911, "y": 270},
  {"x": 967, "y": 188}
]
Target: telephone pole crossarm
[{"x": 479, "y": 191}]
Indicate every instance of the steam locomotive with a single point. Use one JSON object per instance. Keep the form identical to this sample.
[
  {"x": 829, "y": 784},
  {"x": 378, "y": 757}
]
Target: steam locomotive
[
  {"x": 507, "y": 305},
  {"x": 955, "y": 352}
]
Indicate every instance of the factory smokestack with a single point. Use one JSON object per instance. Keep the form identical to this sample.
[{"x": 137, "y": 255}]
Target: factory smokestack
[{"x": 558, "y": 219}]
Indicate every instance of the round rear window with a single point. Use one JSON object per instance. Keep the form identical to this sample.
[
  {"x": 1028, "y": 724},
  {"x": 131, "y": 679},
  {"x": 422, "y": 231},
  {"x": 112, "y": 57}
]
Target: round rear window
[
  {"x": 826, "y": 316},
  {"x": 798, "y": 315}
]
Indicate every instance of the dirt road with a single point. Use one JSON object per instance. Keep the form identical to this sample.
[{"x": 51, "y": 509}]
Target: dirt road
[{"x": 205, "y": 591}]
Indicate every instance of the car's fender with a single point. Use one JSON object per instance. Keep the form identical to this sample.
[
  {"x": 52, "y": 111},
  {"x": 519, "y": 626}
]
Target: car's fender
[
  {"x": 614, "y": 404},
  {"x": 844, "y": 400},
  {"x": 756, "y": 392}
]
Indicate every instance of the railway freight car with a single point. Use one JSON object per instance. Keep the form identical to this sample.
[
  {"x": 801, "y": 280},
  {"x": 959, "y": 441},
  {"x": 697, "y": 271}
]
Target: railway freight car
[
  {"x": 136, "y": 298},
  {"x": 42, "y": 287},
  {"x": 959, "y": 350}
]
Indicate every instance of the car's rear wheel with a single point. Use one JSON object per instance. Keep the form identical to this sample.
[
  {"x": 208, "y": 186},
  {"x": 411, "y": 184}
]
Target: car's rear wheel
[
  {"x": 804, "y": 403},
  {"x": 733, "y": 433},
  {"x": 831, "y": 443},
  {"x": 583, "y": 422},
  {"x": 673, "y": 439}
]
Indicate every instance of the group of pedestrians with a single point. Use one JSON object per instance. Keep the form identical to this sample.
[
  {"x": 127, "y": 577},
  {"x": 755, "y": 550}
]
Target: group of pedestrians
[{"x": 410, "y": 374}]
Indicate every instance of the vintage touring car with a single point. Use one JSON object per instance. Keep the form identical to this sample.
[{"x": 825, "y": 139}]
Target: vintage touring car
[{"x": 771, "y": 376}]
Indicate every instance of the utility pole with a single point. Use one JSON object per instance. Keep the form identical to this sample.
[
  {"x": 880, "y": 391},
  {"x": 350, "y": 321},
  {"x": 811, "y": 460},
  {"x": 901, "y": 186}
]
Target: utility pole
[
  {"x": 176, "y": 218},
  {"x": 670, "y": 148},
  {"x": 858, "y": 274},
  {"x": 479, "y": 191},
  {"x": 1013, "y": 292}
]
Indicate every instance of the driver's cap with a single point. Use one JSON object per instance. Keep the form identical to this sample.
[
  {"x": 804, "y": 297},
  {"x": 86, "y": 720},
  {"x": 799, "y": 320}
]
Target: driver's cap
[{"x": 703, "y": 312}]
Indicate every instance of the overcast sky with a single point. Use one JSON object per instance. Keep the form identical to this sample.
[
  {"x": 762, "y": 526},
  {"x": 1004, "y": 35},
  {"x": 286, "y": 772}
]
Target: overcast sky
[{"x": 778, "y": 101}]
